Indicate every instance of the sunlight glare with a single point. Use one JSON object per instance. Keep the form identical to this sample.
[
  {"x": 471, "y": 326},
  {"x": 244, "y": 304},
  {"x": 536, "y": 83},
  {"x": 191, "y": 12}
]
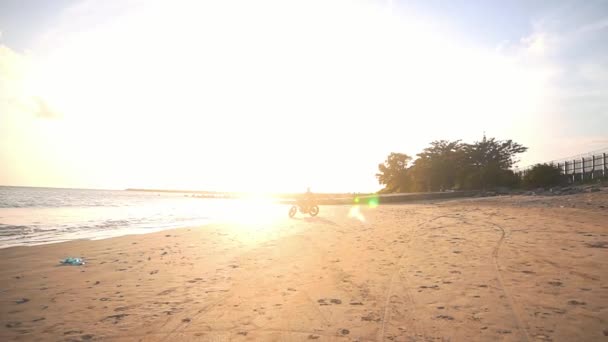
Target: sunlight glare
[{"x": 355, "y": 212}]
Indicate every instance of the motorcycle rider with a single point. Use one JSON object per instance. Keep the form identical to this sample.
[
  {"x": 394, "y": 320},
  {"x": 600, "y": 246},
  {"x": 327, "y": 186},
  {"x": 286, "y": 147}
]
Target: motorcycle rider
[{"x": 307, "y": 200}]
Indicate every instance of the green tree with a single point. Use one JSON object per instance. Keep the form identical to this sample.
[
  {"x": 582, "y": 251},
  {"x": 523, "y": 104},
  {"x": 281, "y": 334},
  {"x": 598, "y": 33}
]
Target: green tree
[
  {"x": 452, "y": 165},
  {"x": 543, "y": 176},
  {"x": 393, "y": 173},
  {"x": 489, "y": 161},
  {"x": 439, "y": 165}
]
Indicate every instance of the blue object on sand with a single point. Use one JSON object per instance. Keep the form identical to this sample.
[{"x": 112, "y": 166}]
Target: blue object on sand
[{"x": 72, "y": 261}]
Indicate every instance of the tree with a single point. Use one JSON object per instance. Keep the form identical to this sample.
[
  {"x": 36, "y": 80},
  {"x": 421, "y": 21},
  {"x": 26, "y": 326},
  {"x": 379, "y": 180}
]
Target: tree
[
  {"x": 393, "y": 172},
  {"x": 543, "y": 176},
  {"x": 439, "y": 165},
  {"x": 452, "y": 165},
  {"x": 489, "y": 160}
]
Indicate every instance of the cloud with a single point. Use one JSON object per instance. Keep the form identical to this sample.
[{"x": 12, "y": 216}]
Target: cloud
[{"x": 571, "y": 46}]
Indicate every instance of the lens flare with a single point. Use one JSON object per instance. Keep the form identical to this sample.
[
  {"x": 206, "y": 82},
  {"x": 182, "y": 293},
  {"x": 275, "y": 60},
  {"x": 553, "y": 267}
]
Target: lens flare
[
  {"x": 373, "y": 202},
  {"x": 355, "y": 212}
]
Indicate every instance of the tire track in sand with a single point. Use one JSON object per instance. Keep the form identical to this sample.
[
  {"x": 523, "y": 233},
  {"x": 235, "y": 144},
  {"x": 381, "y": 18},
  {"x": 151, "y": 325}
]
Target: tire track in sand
[
  {"x": 516, "y": 315},
  {"x": 386, "y": 316}
]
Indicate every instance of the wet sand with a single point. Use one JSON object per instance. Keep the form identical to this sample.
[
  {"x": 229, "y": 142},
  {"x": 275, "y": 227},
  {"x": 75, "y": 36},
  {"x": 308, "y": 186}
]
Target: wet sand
[{"x": 510, "y": 268}]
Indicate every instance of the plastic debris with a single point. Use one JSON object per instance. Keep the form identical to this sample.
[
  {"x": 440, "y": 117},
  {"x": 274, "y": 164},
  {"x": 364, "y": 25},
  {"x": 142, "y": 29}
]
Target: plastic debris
[{"x": 72, "y": 261}]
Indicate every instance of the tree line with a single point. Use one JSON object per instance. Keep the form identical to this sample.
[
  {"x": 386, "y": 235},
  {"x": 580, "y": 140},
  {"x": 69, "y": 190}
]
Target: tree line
[{"x": 455, "y": 165}]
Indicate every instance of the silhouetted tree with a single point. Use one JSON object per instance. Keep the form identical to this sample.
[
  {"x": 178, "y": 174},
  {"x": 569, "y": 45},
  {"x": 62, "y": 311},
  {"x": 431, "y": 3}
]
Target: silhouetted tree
[
  {"x": 452, "y": 165},
  {"x": 488, "y": 161},
  {"x": 543, "y": 176},
  {"x": 393, "y": 173},
  {"x": 439, "y": 165}
]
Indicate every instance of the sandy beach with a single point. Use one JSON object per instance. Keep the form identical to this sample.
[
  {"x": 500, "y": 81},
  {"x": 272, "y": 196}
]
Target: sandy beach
[{"x": 520, "y": 268}]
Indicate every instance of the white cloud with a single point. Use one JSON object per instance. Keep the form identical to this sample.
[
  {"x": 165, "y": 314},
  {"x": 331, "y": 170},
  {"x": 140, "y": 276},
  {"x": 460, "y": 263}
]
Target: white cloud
[{"x": 572, "y": 49}]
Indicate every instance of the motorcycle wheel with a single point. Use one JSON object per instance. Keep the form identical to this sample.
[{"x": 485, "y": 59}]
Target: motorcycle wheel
[
  {"x": 314, "y": 210},
  {"x": 292, "y": 211}
]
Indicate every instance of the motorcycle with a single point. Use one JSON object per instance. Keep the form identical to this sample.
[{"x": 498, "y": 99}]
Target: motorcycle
[{"x": 312, "y": 210}]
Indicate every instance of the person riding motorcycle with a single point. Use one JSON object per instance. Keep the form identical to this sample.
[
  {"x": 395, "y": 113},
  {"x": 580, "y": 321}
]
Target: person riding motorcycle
[
  {"x": 306, "y": 200},
  {"x": 305, "y": 203}
]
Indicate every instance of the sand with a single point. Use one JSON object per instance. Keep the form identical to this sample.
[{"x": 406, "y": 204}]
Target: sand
[{"x": 509, "y": 268}]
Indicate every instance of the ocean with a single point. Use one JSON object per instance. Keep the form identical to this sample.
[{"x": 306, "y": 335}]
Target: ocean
[{"x": 33, "y": 216}]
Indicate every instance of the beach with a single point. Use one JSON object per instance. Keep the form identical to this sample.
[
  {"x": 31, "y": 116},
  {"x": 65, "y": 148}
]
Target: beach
[{"x": 510, "y": 268}]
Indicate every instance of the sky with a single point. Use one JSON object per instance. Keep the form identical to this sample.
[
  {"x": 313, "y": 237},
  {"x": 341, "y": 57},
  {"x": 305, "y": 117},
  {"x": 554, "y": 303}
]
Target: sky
[{"x": 273, "y": 95}]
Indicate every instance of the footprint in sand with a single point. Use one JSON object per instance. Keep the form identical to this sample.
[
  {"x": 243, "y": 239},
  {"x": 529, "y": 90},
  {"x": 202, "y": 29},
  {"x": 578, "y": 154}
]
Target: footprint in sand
[
  {"x": 22, "y": 300},
  {"x": 13, "y": 324},
  {"x": 599, "y": 244},
  {"x": 371, "y": 317},
  {"x": 115, "y": 318},
  {"x": 576, "y": 302},
  {"x": 72, "y": 332},
  {"x": 166, "y": 292}
]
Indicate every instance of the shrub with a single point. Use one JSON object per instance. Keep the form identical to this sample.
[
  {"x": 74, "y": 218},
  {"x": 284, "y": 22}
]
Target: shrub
[{"x": 543, "y": 176}]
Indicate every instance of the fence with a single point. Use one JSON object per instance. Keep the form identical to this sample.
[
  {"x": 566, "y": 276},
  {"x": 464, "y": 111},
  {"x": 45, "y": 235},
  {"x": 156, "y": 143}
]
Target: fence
[{"x": 587, "y": 167}]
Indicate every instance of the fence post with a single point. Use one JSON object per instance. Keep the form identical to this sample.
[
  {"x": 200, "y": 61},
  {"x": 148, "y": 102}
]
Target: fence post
[
  {"x": 573, "y": 170},
  {"x": 582, "y": 169},
  {"x": 593, "y": 167},
  {"x": 604, "y": 172}
]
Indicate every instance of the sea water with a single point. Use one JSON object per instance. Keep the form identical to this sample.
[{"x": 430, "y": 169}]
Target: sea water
[{"x": 32, "y": 216}]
